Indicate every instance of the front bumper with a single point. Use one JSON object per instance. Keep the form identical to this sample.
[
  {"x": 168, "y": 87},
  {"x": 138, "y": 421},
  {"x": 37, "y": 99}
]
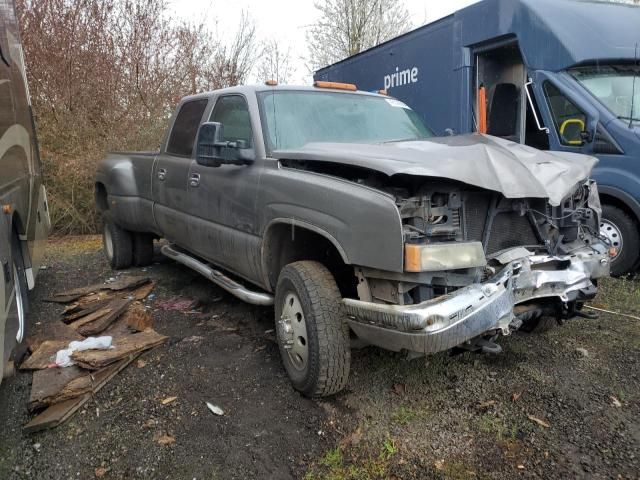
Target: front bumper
[{"x": 453, "y": 319}]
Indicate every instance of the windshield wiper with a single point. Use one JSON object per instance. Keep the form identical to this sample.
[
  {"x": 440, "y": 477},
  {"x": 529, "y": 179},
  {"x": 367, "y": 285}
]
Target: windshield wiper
[{"x": 633, "y": 119}]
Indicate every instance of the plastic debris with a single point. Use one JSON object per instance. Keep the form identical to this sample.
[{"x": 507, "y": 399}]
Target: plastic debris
[
  {"x": 215, "y": 410},
  {"x": 63, "y": 357}
]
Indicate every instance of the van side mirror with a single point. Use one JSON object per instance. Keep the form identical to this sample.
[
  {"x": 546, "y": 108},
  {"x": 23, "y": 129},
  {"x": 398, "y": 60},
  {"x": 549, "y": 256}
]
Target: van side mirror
[
  {"x": 586, "y": 136},
  {"x": 213, "y": 151}
]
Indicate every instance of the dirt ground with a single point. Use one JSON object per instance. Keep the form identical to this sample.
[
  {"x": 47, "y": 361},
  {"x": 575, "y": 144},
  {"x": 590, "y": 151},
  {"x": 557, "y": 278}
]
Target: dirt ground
[{"x": 563, "y": 404}]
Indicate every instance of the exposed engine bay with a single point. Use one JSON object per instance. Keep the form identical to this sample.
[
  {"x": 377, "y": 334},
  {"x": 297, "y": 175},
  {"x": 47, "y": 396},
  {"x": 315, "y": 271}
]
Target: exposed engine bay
[{"x": 546, "y": 257}]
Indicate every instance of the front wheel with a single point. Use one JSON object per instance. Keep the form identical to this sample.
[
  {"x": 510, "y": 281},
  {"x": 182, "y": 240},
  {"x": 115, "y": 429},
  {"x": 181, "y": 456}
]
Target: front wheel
[
  {"x": 622, "y": 233},
  {"x": 312, "y": 331}
]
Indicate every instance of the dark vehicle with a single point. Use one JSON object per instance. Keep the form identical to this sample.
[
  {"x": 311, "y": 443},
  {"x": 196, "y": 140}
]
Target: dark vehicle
[
  {"x": 345, "y": 213},
  {"x": 558, "y": 75},
  {"x": 24, "y": 219}
]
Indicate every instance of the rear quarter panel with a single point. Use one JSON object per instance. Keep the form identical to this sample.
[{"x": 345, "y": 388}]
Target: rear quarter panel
[{"x": 126, "y": 177}]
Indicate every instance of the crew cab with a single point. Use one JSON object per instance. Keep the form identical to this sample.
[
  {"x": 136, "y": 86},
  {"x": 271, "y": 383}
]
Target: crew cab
[{"x": 343, "y": 211}]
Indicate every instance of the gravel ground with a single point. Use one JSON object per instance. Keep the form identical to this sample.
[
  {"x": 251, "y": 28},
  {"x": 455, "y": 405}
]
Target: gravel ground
[{"x": 563, "y": 404}]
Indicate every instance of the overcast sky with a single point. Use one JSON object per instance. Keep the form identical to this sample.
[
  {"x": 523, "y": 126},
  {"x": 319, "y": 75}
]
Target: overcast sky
[{"x": 286, "y": 20}]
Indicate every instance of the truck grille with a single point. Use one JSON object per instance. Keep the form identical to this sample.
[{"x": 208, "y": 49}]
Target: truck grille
[
  {"x": 510, "y": 230},
  {"x": 476, "y": 209},
  {"x": 507, "y": 230}
]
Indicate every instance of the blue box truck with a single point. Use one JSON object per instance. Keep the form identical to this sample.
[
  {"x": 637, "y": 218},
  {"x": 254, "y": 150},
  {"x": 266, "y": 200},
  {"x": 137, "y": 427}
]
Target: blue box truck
[{"x": 551, "y": 74}]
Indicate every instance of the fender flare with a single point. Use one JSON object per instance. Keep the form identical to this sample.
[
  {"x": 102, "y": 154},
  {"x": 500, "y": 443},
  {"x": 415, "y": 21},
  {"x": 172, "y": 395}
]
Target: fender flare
[
  {"x": 623, "y": 197},
  {"x": 295, "y": 223}
]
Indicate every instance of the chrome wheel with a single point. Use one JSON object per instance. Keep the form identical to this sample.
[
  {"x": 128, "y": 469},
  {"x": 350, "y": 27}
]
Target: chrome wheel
[
  {"x": 19, "y": 304},
  {"x": 292, "y": 331},
  {"x": 612, "y": 233},
  {"x": 107, "y": 240}
]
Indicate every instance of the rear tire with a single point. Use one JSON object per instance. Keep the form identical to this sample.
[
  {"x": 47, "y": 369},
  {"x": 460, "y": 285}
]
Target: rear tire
[
  {"x": 117, "y": 244},
  {"x": 312, "y": 331},
  {"x": 622, "y": 231},
  {"x": 142, "y": 249}
]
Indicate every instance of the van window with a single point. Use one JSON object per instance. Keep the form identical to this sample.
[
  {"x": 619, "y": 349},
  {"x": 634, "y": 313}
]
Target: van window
[
  {"x": 568, "y": 119},
  {"x": 233, "y": 113},
  {"x": 185, "y": 128}
]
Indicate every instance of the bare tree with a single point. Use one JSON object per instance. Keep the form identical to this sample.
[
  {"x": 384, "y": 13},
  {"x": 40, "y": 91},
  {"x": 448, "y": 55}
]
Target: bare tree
[
  {"x": 233, "y": 62},
  {"x": 106, "y": 75},
  {"x": 347, "y": 27},
  {"x": 275, "y": 63}
]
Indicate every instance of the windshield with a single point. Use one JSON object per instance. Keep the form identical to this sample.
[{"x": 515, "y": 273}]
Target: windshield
[
  {"x": 294, "y": 118},
  {"x": 613, "y": 85}
]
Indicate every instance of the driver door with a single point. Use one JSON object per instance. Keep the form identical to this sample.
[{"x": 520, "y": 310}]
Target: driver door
[{"x": 223, "y": 227}]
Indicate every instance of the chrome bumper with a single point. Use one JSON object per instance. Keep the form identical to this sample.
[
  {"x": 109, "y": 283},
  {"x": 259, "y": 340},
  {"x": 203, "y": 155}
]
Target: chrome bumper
[{"x": 450, "y": 320}]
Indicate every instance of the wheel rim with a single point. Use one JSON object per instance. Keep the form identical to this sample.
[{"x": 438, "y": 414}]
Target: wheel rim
[
  {"x": 292, "y": 331},
  {"x": 19, "y": 304},
  {"x": 612, "y": 233},
  {"x": 108, "y": 242}
]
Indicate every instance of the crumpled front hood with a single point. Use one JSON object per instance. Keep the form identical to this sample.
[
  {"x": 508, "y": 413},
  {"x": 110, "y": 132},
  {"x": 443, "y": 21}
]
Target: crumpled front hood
[{"x": 515, "y": 170}]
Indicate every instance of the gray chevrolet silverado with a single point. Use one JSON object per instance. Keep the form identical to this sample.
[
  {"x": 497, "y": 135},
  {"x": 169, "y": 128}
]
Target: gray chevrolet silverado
[{"x": 343, "y": 211}]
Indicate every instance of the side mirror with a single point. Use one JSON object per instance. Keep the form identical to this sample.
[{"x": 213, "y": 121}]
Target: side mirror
[
  {"x": 573, "y": 132},
  {"x": 212, "y": 151},
  {"x": 586, "y": 136}
]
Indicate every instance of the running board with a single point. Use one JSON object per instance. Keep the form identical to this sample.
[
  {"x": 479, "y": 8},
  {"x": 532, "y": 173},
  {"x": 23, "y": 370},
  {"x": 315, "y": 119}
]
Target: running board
[{"x": 234, "y": 288}]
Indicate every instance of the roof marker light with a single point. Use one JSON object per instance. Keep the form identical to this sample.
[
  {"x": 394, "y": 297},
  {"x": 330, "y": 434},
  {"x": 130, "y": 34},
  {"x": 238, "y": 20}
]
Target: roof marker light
[{"x": 335, "y": 85}]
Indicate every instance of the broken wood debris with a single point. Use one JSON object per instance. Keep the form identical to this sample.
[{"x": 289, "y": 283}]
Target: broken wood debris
[
  {"x": 114, "y": 307},
  {"x": 123, "y": 346},
  {"x": 122, "y": 283},
  {"x": 45, "y": 355},
  {"x": 113, "y": 311},
  {"x": 60, "y": 412}
]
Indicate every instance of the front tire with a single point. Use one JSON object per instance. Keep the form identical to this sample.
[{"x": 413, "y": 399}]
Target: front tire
[
  {"x": 312, "y": 331},
  {"x": 622, "y": 232},
  {"x": 117, "y": 244}
]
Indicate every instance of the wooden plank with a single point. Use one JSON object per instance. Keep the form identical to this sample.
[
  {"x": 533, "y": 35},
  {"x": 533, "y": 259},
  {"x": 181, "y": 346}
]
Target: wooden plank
[
  {"x": 123, "y": 346},
  {"x": 122, "y": 283},
  {"x": 56, "y": 414},
  {"x": 116, "y": 307},
  {"x": 127, "y": 283},
  {"x": 84, "y": 310},
  {"x": 60, "y": 412},
  {"x": 44, "y": 356},
  {"x": 48, "y": 384},
  {"x": 53, "y": 331},
  {"x": 91, "y": 317},
  {"x": 143, "y": 292}
]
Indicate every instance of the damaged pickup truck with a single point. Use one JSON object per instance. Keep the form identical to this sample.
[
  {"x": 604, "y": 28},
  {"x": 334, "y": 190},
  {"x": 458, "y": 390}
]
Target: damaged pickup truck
[{"x": 339, "y": 208}]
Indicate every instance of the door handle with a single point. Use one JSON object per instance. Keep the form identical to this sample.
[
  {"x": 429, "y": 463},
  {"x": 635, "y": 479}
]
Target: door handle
[
  {"x": 194, "y": 181},
  {"x": 162, "y": 173}
]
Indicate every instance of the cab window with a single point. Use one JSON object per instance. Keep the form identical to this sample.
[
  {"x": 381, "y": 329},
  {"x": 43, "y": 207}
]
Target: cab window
[
  {"x": 185, "y": 128},
  {"x": 568, "y": 119},
  {"x": 233, "y": 113}
]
